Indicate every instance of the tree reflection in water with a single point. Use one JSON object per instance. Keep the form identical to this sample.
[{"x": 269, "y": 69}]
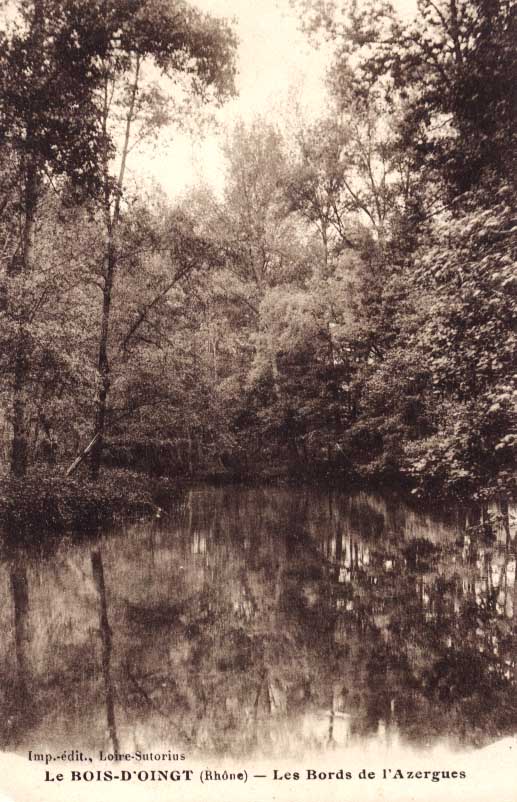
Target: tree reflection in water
[
  {"x": 259, "y": 620},
  {"x": 105, "y": 633}
]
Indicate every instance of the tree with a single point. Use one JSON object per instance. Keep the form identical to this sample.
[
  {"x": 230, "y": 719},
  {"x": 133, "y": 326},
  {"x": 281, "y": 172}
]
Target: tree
[
  {"x": 160, "y": 373},
  {"x": 433, "y": 402},
  {"x": 460, "y": 60},
  {"x": 454, "y": 67},
  {"x": 179, "y": 42},
  {"x": 467, "y": 344},
  {"x": 49, "y": 129}
]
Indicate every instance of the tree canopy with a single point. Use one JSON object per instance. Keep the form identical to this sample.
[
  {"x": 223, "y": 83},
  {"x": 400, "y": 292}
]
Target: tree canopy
[{"x": 344, "y": 307}]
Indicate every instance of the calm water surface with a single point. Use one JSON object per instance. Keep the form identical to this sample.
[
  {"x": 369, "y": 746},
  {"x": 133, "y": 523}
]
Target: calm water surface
[{"x": 262, "y": 621}]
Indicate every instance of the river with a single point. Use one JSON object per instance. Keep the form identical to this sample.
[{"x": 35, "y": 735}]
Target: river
[{"x": 262, "y": 621}]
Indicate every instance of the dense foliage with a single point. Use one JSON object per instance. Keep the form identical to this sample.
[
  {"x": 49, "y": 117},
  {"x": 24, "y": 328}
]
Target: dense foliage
[{"x": 348, "y": 305}]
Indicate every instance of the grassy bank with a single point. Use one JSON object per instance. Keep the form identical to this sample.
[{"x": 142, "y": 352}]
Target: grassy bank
[{"x": 43, "y": 503}]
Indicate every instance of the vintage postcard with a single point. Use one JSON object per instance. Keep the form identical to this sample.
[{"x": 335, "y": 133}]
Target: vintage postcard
[{"x": 258, "y": 400}]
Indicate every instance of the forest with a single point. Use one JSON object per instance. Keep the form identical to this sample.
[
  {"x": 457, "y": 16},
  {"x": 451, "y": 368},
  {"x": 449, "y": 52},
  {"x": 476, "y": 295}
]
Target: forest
[{"x": 343, "y": 311}]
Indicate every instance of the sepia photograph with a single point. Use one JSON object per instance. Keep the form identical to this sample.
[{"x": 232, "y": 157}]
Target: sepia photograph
[{"x": 258, "y": 400}]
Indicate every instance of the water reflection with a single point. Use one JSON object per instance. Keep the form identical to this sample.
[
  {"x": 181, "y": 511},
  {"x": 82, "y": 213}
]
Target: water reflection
[
  {"x": 263, "y": 620},
  {"x": 105, "y": 633}
]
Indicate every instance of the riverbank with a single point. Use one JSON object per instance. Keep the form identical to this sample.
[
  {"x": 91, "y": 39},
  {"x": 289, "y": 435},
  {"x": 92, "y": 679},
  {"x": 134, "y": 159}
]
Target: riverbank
[
  {"x": 41, "y": 503},
  {"x": 51, "y": 503},
  {"x": 354, "y": 476}
]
